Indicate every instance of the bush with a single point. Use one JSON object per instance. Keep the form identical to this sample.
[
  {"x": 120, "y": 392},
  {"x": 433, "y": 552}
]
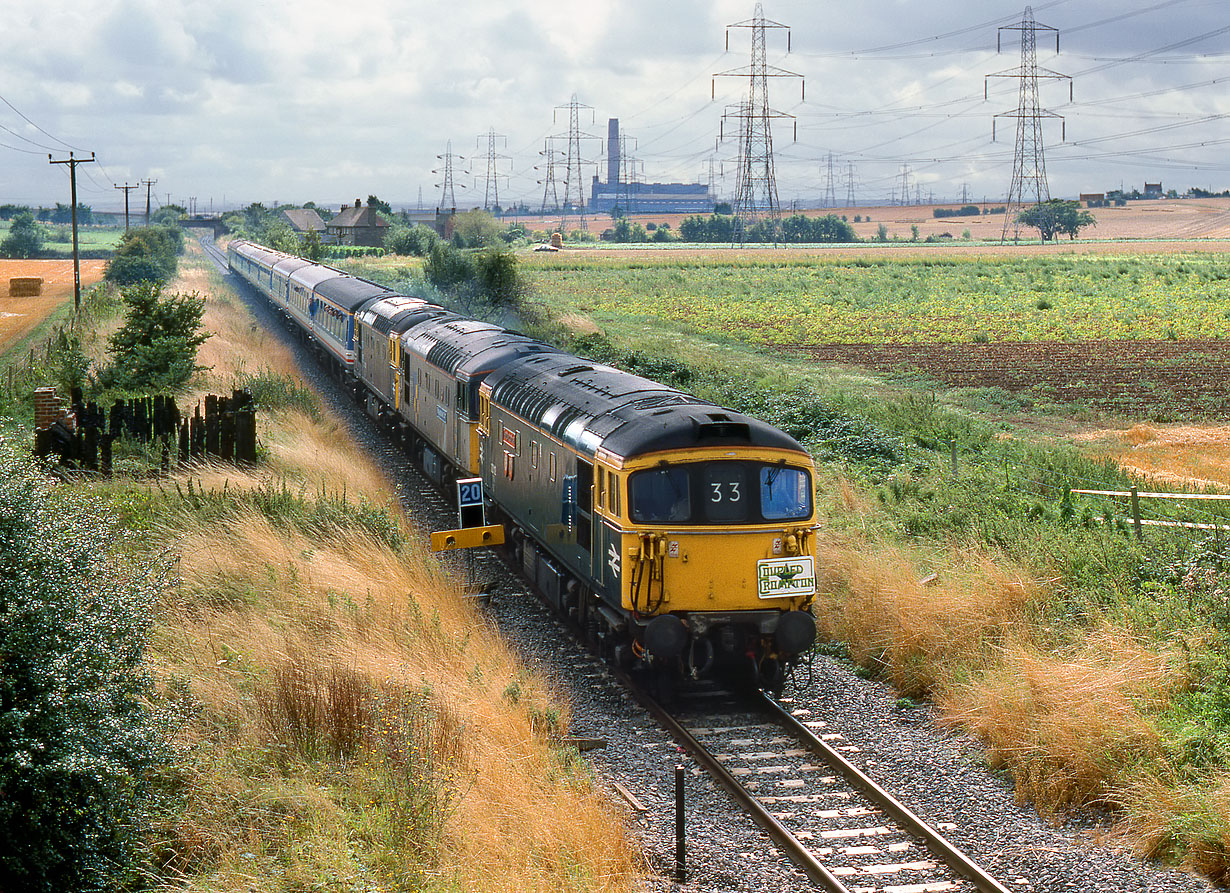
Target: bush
[
  {"x": 147, "y": 254},
  {"x": 76, "y": 742},
  {"x": 156, "y": 347},
  {"x": 417, "y": 240},
  {"x": 480, "y": 281}
]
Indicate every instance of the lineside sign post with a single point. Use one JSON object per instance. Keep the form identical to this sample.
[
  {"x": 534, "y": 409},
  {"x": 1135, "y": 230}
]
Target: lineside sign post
[{"x": 473, "y": 530}]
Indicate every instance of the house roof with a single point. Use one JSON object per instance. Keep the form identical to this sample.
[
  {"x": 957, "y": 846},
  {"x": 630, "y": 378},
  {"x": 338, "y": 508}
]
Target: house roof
[
  {"x": 352, "y": 218},
  {"x": 304, "y": 219}
]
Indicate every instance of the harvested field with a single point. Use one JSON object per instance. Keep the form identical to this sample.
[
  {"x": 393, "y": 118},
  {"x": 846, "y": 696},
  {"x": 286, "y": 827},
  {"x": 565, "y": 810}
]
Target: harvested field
[
  {"x": 1166, "y": 224},
  {"x": 1152, "y": 379},
  {"x": 19, "y": 315}
]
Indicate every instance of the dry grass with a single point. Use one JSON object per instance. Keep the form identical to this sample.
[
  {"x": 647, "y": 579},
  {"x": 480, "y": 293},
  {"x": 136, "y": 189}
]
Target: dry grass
[
  {"x": 1068, "y": 726},
  {"x": 1181, "y": 456},
  {"x": 914, "y": 632},
  {"x": 1164, "y": 820},
  {"x": 346, "y": 718}
]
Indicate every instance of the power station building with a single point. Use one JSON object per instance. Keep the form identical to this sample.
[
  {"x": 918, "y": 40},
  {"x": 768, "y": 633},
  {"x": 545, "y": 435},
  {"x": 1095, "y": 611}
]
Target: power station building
[{"x": 644, "y": 198}]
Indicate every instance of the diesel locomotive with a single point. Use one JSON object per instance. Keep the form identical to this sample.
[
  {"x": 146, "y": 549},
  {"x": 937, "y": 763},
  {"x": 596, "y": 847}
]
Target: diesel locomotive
[{"x": 673, "y": 532}]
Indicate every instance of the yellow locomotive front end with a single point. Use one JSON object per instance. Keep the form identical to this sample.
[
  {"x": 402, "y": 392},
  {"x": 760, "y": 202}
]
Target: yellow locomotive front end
[{"x": 714, "y": 551}]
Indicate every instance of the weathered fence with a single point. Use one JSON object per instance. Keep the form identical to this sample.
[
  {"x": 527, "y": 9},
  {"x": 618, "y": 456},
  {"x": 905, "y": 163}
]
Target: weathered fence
[{"x": 220, "y": 427}]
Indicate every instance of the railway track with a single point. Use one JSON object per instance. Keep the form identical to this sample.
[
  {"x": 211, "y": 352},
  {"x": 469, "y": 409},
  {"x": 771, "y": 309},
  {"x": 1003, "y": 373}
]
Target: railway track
[{"x": 831, "y": 819}]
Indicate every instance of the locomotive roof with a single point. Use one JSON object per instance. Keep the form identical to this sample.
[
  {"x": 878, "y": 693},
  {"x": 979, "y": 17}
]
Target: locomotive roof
[
  {"x": 397, "y": 313},
  {"x": 467, "y": 348},
  {"x": 589, "y": 405}
]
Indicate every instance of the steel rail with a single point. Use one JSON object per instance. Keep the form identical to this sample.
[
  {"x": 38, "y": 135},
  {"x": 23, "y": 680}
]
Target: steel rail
[
  {"x": 934, "y": 841},
  {"x": 799, "y": 854}
]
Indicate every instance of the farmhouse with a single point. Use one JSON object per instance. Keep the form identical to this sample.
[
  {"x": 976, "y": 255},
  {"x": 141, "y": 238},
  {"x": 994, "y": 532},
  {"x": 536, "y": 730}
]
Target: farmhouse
[{"x": 358, "y": 226}]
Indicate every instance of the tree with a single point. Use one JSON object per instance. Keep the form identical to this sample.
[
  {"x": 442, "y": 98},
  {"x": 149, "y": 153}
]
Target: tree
[
  {"x": 417, "y": 240},
  {"x": 25, "y": 238},
  {"x": 146, "y": 254},
  {"x": 64, "y": 214},
  {"x": 169, "y": 215},
  {"x": 1056, "y": 216},
  {"x": 477, "y": 229},
  {"x": 311, "y": 246},
  {"x": 380, "y": 205},
  {"x": 76, "y": 741},
  {"x": 156, "y": 347}
]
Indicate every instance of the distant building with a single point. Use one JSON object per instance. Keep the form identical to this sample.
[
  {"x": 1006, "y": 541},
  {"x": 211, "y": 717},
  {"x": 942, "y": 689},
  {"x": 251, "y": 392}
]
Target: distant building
[
  {"x": 1153, "y": 190},
  {"x": 441, "y": 220},
  {"x": 358, "y": 226},
  {"x": 1093, "y": 199},
  {"x": 303, "y": 220},
  {"x": 644, "y": 198}
]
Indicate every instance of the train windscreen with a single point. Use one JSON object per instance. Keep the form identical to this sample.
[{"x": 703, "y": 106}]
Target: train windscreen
[{"x": 720, "y": 493}]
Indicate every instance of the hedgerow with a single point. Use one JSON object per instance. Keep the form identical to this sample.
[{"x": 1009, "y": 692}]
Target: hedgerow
[{"x": 76, "y": 741}]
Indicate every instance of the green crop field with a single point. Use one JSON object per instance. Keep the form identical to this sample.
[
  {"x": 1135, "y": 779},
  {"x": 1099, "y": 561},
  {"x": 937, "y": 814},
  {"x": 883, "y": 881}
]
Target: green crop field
[
  {"x": 857, "y": 300},
  {"x": 59, "y": 238}
]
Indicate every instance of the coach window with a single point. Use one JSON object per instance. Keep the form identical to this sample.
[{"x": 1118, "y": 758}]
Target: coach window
[
  {"x": 601, "y": 487},
  {"x": 534, "y": 451},
  {"x": 614, "y": 485},
  {"x": 551, "y": 465}
]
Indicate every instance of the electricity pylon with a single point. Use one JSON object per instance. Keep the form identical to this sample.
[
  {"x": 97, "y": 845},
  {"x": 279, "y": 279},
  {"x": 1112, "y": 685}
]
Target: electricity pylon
[
  {"x": 830, "y": 187},
  {"x": 549, "y": 193},
  {"x": 574, "y": 177},
  {"x": 1029, "y": 160},
  {"x": 491, "y": 197},
  {"x": 448, "y": 200},
  {"x": 756, "y": 189}
]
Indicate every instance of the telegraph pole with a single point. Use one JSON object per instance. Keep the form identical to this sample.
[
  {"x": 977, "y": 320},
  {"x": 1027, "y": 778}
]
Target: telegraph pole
[
  {"x": 127, "y": 189},
  {"x": 147, "y": 184},
  {"x": 72, "y": 179}
]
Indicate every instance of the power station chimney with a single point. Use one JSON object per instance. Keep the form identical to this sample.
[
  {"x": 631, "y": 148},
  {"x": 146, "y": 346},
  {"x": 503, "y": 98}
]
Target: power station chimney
[{"x": 612, "y": 151}]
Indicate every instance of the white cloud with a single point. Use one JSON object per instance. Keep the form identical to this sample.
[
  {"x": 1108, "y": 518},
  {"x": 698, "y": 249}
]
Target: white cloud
[{"x": 315, "y": 99}]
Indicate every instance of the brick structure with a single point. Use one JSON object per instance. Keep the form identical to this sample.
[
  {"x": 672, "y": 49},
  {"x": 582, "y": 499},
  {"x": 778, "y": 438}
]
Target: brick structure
[{"x": 49, "y": 409}]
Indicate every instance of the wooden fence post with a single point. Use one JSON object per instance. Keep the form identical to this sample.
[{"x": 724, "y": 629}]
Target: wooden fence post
[{"x": 1136, "y": 513}]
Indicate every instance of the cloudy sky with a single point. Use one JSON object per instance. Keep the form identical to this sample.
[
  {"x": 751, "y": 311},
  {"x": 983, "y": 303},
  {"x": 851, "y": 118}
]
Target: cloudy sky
[{"x": 232, "y": 101}]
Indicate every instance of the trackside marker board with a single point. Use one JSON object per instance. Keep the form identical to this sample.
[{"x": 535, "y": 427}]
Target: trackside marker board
[
  {"x": 467, "y": 538},
  {"x": 470, "y": 509},
  {"x": 472, "y": 530}
]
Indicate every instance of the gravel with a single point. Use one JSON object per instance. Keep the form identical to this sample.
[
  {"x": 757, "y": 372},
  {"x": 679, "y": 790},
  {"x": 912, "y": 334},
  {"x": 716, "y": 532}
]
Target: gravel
[{"x": 943, "y": 777}]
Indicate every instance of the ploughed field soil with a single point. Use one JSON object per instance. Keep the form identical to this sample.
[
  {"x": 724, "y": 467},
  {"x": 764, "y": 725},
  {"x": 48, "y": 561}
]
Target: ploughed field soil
[{"x": 1133, "y": 378}]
